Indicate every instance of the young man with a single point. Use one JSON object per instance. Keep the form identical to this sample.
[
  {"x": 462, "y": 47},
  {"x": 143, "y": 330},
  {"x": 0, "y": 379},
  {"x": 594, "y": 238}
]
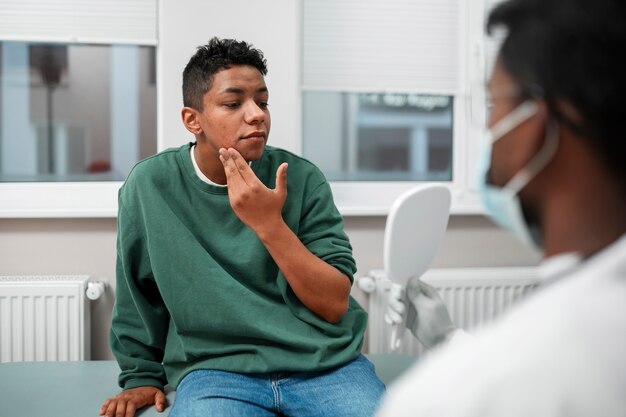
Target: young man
[
  {"x": 557, "y": 178},
  {"x": 233, "y": 271}
]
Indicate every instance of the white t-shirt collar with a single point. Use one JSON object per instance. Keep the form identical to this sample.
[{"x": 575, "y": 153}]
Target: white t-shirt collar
[{"x": 199, "y": 173}]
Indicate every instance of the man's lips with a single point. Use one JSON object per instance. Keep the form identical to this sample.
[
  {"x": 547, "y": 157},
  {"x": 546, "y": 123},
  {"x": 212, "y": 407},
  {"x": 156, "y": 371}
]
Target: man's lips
[{"x": 258, "y": 134}]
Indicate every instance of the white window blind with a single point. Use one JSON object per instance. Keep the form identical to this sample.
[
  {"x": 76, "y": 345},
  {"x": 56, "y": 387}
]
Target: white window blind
[
  {"x": 83, "y": 21},
  {"x": 373, "y": 45}
]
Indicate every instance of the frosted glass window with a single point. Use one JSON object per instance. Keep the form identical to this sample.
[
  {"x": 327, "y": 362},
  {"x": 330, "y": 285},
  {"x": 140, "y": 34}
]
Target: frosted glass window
[
  {"x": 379, "y": 137},
  {"x": 75, "y": 112}
]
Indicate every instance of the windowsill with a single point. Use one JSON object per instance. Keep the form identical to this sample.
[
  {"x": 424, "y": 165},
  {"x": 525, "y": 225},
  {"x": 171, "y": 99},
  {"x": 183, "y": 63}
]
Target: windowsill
[
  {"x": 59, "y": 200},
  {"x": 376, "y": 198},
  {"x": 62, "y": 178}
]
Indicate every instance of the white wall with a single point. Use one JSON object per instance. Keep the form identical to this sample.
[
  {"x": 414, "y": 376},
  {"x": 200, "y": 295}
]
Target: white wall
[
  {"x": 65, "y": 247},
  {"x": 87, "y": 246}
]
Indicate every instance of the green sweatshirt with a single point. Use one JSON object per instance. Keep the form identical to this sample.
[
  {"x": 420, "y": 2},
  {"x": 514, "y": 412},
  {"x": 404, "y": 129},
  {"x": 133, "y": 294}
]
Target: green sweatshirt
[{"x": 196, "y": 288}]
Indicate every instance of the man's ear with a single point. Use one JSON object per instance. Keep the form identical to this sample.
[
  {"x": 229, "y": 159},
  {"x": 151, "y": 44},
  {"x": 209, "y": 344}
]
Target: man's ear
[
  {"x": 191, "y": 120},
  {"x": 569, "y": 113}
]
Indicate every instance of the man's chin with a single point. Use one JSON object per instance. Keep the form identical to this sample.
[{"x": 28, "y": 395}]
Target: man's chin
[{"x": 252, "y": 154}]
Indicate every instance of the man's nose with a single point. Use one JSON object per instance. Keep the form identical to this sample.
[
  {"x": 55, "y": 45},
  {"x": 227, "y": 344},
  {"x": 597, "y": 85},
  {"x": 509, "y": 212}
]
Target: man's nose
[{"x": 253, "y": 113}]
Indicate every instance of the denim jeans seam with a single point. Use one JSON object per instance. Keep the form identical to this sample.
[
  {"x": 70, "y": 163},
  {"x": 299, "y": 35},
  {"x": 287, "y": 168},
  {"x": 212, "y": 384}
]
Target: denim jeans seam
[{"x": 274, "y": 385}]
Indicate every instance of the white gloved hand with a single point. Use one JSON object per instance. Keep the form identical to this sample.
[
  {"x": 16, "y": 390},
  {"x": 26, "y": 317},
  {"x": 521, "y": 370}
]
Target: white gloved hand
[
  {"x": 427, "y": 317},
  {"x": 395, "y": 305},
  {"x": 395, "y": 315}
]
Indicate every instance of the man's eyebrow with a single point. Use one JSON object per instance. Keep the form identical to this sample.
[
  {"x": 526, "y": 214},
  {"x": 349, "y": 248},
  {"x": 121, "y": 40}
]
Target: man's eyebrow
[
  {"x": 237, "y": 90},
  {"x": 233, "y": 90}
]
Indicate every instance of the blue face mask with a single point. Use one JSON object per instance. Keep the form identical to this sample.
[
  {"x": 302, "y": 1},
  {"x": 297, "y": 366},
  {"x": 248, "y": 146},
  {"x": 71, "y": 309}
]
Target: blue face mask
[{"x": 503, "y": 204}]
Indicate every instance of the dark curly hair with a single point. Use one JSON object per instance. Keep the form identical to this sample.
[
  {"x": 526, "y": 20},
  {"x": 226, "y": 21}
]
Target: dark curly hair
[
  {"x": 216, "y": 55},
  {"x": 573, "y": 50}
]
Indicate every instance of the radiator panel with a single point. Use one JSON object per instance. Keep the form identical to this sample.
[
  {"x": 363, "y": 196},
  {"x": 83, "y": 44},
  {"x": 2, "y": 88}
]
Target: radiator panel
[
  {"x": 44, "y": 318},
  {"x": 474, "y": 297}
]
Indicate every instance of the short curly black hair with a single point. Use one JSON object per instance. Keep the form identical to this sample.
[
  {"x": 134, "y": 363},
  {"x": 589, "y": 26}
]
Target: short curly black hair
[
  {"x": 217, "y": 55},
  {"x": 573, "y": 50}
]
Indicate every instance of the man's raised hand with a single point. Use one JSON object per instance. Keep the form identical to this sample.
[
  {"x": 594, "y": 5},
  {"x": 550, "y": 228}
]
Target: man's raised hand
[{"x": 259, "y": 207}]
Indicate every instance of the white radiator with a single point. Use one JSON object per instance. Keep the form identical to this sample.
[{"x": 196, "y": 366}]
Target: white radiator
[
  {"x": 44, "y": 318},
  {"x": 474, "y": 296}
]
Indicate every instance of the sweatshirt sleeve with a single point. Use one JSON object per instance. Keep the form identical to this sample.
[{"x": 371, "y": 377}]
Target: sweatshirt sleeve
[
  {"x": 321, "y": 230},
  {"x": 140, "y": 320}
]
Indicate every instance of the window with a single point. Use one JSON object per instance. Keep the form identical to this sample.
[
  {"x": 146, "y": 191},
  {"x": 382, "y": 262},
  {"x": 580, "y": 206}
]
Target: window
[
  {"x": 387, "y": 88},
  {"x": 379, "y": 136},
  {"x": 74, "y": 112},
  {"x": 77, "y": 103}
]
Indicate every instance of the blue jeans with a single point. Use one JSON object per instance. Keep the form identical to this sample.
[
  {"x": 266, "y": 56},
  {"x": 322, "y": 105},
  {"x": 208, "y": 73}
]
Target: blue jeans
[{"x": 352, "y": 389}]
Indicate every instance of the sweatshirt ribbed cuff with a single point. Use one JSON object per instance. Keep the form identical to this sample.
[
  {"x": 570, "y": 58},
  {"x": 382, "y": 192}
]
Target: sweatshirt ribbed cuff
[{"x": 144, "y": 382}]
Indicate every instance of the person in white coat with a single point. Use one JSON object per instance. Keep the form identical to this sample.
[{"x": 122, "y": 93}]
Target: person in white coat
[{"x": 555, "y": 175}]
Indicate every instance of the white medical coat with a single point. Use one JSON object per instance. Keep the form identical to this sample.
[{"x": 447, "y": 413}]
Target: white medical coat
[{"x": 562, "y": 352}]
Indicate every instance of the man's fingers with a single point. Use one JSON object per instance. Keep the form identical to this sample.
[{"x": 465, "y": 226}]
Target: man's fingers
[
  {"x": 224, "y": 157},
  {"x": 230, "y": 168},
  {"x": 236, "y": 157},
  {"x": 130, "y": 409},
  {"x": 126, "y": 403},
  {"x": 110, "y": 411},
  {"x": 229, "y": 165},
  {"x": 104, "y": 406},
  {"x": 159, "y": 400},
  {"x": 281, "y": 178},
  {"x": 121, "y": 408},
  {"x": 242, "y": 166}
]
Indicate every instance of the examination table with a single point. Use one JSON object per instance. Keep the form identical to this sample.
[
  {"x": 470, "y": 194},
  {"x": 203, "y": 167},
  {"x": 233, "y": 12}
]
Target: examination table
[{"x": 77, "y": 389}]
